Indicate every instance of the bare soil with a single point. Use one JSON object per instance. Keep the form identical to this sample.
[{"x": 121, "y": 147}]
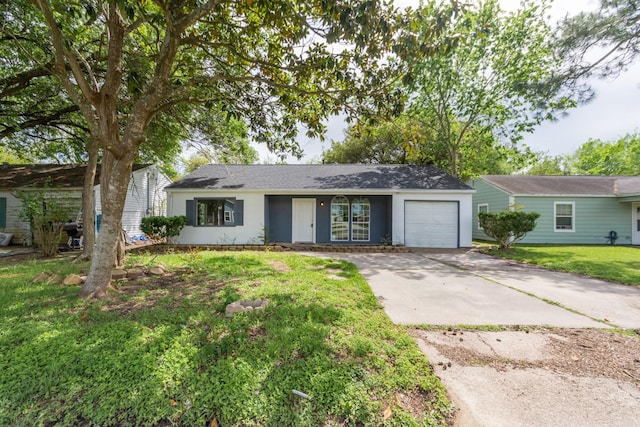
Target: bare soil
[{"x": 577, "y": 352}]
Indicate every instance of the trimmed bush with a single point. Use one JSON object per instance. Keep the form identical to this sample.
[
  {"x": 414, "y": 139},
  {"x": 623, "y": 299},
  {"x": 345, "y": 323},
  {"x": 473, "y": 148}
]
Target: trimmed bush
[
  {"x": 506, "y": 228},
  {"x": 162, "y": 228}
]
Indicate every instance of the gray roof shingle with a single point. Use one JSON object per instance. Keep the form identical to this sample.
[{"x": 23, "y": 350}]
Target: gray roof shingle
[
  {"x": 319, "y": 177},
  {"x": 565, "y": 184},
  {"x": 56, "y": 176}
]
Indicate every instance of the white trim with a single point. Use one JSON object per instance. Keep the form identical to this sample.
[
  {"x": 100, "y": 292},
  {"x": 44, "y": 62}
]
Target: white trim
[
  {"x": 573, "y": 217},
  {"x": 478, "y": 212}
]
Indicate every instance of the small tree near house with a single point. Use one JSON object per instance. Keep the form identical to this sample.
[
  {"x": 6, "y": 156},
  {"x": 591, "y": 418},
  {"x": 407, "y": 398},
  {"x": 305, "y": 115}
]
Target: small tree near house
[
  {"x": 47, "y": 215},
  {"x": 163, "y": 229},
  {"x": 508, "y": 227}
]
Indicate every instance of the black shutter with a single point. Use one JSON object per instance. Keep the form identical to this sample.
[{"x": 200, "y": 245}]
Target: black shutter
[
  {"x": 239, "y": 212},
  {"x": 191, "y": 212}
]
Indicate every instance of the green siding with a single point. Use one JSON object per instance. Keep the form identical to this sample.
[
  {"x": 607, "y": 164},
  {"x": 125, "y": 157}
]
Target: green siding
[
  {"x": 3, "y": 212},
  {"x": 485, "y": 193},
  {"x": 594, "y": 218}
]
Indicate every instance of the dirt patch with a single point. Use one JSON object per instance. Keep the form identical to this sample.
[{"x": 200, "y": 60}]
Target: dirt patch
[
  {"x": 125, "y": 296},
  {"x": 280, "y": 266},
  {"x": 577, "y": 352}
]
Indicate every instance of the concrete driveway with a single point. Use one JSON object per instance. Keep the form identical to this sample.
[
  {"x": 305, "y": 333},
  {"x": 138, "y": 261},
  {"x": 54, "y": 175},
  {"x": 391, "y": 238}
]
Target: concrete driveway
[{"x": 463, "y": 287}]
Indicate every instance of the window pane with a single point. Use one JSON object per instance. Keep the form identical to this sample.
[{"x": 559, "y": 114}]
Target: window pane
[
  {"x": 360, "y": 219},
  {"x": 564, "y": 210},
  {"x": 340, "y": 219},
  {"x": 215, "y": 212}
]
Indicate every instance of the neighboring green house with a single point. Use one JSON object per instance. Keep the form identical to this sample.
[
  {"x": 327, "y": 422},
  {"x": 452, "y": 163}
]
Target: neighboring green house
[{"x": 573, "y": 209}]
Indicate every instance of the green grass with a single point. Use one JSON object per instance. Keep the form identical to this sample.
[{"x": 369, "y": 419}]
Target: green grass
[
  {"x": 162, "y": 353},
  {"x": 616, "y": 263}
]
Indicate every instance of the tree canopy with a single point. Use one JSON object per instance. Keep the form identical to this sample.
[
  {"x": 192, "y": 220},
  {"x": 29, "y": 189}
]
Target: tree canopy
[
  {"x": 601, "y": 43},
  {"x": 488, "y": 87},
  {"x": 130, "y": 68}
]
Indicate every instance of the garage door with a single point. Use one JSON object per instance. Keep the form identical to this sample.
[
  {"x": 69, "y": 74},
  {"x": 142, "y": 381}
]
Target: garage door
[{"x": 431, "y": 224}]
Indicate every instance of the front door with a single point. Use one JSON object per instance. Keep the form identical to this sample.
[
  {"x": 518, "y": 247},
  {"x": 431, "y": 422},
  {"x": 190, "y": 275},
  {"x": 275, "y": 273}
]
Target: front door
[
  {"x": 303, "y": 220},
  {"x": 635, "y": 239}
]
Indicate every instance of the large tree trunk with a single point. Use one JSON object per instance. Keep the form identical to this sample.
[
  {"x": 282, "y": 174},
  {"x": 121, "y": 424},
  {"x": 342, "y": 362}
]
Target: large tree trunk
[
  {"x": 114, "y": 181},
  {"x": 88, "y": 213}
]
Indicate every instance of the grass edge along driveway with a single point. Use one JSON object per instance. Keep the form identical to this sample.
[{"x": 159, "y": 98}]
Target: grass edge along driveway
[
  {"x": 160, "y": 351},
  {"x": 609, "y": 262}
]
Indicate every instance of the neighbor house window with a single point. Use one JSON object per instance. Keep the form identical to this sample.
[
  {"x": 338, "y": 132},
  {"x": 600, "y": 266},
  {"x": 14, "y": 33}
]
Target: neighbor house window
[
  {"x": 339, "y": 219},
  {"x": 565, "y": 214},
  {"x": 482, "y": 207},
  {"x": 360, "y": 219},
  {"x": 215, "y": 212}
]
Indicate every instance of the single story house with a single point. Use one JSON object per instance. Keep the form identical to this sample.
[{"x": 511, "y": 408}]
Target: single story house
[
  {"x": 573, "y": 209},
  {"x": 145, "y": 196},
  {"x": 416, "y": 206}
]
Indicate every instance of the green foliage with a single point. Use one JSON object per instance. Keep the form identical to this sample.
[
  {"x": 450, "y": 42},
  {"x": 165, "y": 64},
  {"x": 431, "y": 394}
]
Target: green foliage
[
  {"x": 164, "y": 354},
  {"x": 162, "y": 228},
  {"x": 596, "y": 157},
  {"x": 602, "y": 43},
  {"x": 507, "y": 227},
  {"x": 613, "y": 263},
  {"x": 47, "y": 211},
  {"x": 487, "y": 88},
  {"x": 384, "y": 143}
]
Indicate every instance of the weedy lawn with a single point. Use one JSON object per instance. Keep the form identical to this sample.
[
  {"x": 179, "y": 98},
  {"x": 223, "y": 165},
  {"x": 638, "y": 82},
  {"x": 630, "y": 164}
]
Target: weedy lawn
[
  {"x": 160, "y": 351},
  {"x": 616, "y": 263}
]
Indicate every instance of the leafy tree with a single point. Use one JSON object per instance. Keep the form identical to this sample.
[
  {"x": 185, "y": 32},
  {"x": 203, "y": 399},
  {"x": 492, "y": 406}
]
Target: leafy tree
[
  {"x": 406, "y": 141},
  {"x": 602, "y": 43},
  {"x": 47, "y": 215},
  {"x": 596, "y": 157},
  {"x": 385, "y": 143},
  {"x": 508, "y": 227},
  {"x": 545, "y": 164},
  {"x": 275, "y": 63},
  {"x": 488, "y": 86}
]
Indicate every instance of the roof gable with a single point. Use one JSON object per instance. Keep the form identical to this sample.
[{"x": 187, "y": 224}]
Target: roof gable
[
  {"x": 535, "y": 185},
  {"x": 56, "y": 176},
  {"x": 319, "y": 177}
]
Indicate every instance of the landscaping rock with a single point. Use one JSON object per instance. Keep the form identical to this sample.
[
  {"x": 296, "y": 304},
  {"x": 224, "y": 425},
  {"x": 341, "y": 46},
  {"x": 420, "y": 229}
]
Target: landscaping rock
[
  {"x": 135, "y": 273},
  {"x": 157, "y": 271},
  {"x": 233, "y": 308},
  {"x": 72, "y": 280},
  {"x": 245, "y": 306},
  {"x": 118, "y": 274}
]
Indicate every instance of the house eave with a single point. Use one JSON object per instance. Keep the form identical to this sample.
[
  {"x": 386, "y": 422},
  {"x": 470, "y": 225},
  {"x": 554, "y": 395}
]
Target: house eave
[
  {"x": 556, "y": 195},
  {"x": 330, "y": 191}
]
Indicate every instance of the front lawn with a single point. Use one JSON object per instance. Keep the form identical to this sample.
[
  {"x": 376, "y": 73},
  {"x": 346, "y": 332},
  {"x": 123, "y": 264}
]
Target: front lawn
[
  {"x": 615, "y": 263},
  {"x": 160, "y": 351}
]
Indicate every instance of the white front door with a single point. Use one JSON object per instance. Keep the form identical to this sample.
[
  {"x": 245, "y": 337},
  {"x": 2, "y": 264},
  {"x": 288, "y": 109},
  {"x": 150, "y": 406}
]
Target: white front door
[
  {"x": 303, "y": 220},
  {"x": 635, "y": 236}
]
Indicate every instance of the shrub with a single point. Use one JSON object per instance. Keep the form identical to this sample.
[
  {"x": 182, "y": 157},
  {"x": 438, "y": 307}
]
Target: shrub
[
  {"x": 47, "y": 215},
  {"x": 508, "y": 227},
  {"x": 161, "y": 228}
]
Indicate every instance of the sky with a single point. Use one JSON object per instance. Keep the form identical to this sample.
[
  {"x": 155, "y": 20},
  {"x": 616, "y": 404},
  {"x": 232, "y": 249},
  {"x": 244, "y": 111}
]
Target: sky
[{"x": 613, "y": 113}]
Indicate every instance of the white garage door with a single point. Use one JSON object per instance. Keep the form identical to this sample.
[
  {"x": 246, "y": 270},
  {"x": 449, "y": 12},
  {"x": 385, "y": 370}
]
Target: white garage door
[{"x": 431, "y": 224}]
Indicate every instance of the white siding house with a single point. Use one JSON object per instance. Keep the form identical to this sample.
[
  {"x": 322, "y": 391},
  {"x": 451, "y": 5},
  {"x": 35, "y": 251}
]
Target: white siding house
[
  {"x": 411, "y": 205},
  {"x": 145, "y": 196}
]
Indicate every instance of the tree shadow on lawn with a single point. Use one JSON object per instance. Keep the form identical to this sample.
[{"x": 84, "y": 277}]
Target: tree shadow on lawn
[{"x": 162, "y": 351}]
